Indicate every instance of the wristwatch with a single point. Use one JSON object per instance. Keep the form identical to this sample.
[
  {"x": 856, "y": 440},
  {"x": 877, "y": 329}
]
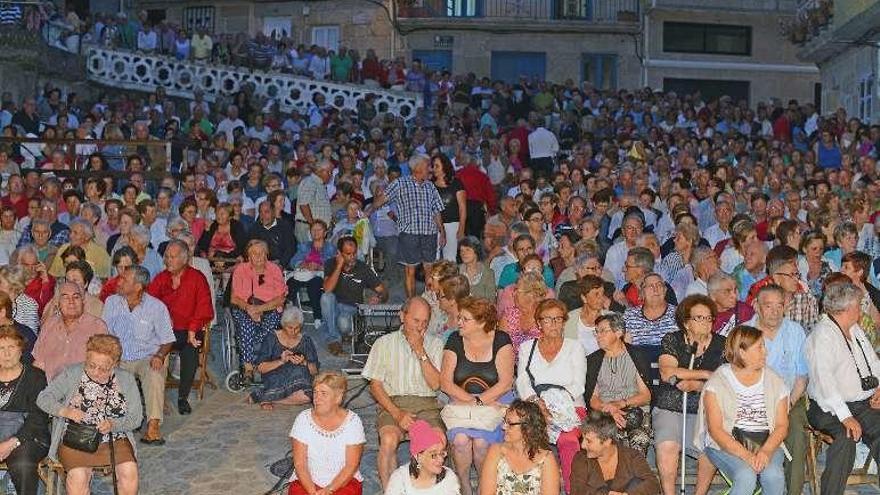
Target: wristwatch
[
  {"x": 423, "y": 358},
  {"x": 673, "y": 380}
]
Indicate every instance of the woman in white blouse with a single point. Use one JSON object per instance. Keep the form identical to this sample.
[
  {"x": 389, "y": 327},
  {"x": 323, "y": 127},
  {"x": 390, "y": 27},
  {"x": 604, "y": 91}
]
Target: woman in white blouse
[
  {"x": 553, "y": 362},
  {"x": 328, "y": 442}
]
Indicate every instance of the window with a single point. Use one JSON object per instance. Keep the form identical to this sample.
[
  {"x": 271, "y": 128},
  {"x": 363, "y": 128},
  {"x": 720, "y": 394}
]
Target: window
[
  {"x": 194, "y": 17},
  {"x": 277, "y": 27},
  {"x": 707, "y": 38},
  {"x": 866, "y": 97},
  {"x": 600, "y": 70},
  {"x": 709, "y": 88},
  {"x": 463, "y": 8},
  {"x": 326, "y": 37}
]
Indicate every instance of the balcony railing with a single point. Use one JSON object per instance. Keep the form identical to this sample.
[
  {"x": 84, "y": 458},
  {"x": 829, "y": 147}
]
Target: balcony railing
[{"x": 597, "y": 11}]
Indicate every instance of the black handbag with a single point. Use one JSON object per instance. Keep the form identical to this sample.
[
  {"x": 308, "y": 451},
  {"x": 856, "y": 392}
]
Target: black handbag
[
  {"x": 751, "y": 440},
  {"x": 85, "y": 438}
]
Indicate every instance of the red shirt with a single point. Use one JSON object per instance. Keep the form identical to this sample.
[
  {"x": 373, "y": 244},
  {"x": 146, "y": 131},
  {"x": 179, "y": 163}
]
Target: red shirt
[
  {"x": 40, "y": 291},
  {"x": 20, "y": 206},
  {"x": 478, "y": 186},
  {"x": 109, "y": 288},
  {"x": 189, "y": 304}
]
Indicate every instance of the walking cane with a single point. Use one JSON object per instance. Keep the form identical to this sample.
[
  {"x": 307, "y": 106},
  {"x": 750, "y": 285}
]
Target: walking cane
[{"x": 692, "y": 349}]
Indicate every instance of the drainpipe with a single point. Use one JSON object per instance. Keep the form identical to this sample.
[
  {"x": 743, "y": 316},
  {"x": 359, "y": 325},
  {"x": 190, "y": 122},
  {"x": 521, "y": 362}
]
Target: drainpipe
[{"x": 646, "y": 34}]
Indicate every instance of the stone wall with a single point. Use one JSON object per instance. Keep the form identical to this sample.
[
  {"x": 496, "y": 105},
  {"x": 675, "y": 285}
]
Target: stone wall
[
  {"x": 773, "y": 68},
  {"x": 362, "y": 25},
  {"x": 27, "y": 64},
  {"x": 472, "y": 51}
]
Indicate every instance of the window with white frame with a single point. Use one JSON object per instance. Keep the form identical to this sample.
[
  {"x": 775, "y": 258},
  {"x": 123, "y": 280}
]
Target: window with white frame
[
  {"x": 866, "y": 97},
  {"x": 326, "y": 37}
]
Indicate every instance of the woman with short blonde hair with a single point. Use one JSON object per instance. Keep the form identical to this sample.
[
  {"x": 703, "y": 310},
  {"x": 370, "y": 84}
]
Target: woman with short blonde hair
[{"x": 328, "y": 442}]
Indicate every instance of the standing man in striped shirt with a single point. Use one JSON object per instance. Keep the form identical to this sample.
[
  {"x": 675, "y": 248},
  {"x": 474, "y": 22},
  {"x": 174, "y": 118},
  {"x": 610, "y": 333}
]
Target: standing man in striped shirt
[
  {"x": 421, "y": 228},
  {"x": 144, "y": 328}
]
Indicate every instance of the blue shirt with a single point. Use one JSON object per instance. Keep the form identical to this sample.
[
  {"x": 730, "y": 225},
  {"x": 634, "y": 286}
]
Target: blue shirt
[
  {"x": 785, "y": 353},
  {"x": 510, "y": 274},
  {"x": 141, "y": 331},
  {"x": 417, "y": 203}
]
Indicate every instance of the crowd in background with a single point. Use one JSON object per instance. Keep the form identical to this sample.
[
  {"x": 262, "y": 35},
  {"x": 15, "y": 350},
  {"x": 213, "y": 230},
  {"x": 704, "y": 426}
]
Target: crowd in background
[{"x": 590, "y": 259}]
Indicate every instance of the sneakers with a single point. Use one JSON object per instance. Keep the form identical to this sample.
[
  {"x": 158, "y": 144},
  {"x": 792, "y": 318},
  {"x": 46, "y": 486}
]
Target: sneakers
[
  {"x": 183, "y": 406},
  {"x": 317, "y": 323},
  {"x": 335, "y": 348}
]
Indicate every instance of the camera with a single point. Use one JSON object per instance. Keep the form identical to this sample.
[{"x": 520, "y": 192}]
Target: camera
[{"x": 869, "y": 382}]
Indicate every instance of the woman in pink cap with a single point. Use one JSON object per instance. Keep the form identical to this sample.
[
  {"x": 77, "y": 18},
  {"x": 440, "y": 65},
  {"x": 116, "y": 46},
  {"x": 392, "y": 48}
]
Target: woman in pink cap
[{"x": 425, "y": 474}]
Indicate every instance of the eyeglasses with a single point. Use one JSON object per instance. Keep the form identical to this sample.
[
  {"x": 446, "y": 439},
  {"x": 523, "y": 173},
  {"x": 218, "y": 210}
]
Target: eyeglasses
[
  {"x": 552, "y": 319},
  {"x": 792, "y": 275},
  {"x": 703, "y": 318},
  {"x": 600, "y": 331},
  {"x": 513, "y": 423},
  {"x": 94, "y": 367},
  {"x": 437, "y": 455}
]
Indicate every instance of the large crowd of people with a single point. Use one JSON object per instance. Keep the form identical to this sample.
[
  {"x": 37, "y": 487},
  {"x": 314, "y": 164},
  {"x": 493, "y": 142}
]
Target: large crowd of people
[{"x": 587, "y": 276}]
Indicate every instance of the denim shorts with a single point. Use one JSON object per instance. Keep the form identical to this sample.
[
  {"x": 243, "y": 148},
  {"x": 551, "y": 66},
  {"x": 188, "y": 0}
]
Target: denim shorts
[{"x": 414, "y": 249}]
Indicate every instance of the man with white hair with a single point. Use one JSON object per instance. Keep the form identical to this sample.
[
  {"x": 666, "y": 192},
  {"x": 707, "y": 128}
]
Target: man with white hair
[
  {"x": 63, "y": 337},
  {"x": 313, "y": 201},
  {"x": 843, "y": 385},
  {"x": 82, "y": 234},
  {"x": 421, "y": 227}
]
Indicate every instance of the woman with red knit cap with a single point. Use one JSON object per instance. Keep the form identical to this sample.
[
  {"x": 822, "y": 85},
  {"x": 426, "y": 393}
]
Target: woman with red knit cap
[{"x": 425, "y": 473}]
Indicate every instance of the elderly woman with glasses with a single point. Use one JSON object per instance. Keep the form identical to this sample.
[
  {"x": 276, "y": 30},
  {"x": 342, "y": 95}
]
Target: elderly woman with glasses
[
  {"x": 688, "y": 357},
  {"x": 288, "y": 362},
  {"x": 424, "y": 473},
  {"x": 41, "y": 231},
  {"x": 100, "y": 394},
  {"x": 123, "y": 258},
  {"x": 549, "y": 365},
  {"x": 477, "y": 370},
  {"x": 618, "y": 375},
  {"x": 40, "y": 286},
  {"x": 258, "y": 295}
]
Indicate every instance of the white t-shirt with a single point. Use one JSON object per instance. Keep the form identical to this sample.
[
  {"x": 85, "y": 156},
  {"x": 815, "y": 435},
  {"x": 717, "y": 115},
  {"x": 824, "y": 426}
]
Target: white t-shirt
[
  {"x": 587, "y": 337},
  {"x": 751, "y": 407},
  {"x": 326, "y": 449},
  {"x": 400, "y": 483}
]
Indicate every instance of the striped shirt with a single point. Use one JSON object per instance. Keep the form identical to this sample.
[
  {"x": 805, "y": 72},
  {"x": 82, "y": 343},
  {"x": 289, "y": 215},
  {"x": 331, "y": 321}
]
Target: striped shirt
[
  {"x": 313, "y": 193},
  {"x": 649, "y": 332},
  {"x": 141, "y": 330},
  {"x": 417, "y": 203},
  {"x": 392, "y": 362}
]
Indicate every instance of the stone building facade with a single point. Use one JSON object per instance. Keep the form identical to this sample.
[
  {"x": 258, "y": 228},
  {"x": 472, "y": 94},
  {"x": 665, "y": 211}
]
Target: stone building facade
[{"x": 842, "y": 39}]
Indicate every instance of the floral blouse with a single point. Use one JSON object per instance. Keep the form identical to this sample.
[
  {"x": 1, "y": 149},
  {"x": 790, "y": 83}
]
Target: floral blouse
[
  {"x": 99, "y": 402},
  {"x": 518, "y": 335}
]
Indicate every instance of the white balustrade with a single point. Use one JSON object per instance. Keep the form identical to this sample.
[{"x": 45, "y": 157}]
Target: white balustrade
[{"x": 141, "y": 72}]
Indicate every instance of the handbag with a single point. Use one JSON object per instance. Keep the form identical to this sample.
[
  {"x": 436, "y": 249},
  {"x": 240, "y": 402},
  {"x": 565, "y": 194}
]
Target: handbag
[
  {"x": 472, "y": 416},
  {"x": 85, "y": 438},
  {"x": 82, "y": 437},
  {"x": 751, "y": 440}
]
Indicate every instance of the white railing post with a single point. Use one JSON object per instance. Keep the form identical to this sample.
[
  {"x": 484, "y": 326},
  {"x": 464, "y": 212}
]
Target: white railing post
[{"x": 141, "y": 72}]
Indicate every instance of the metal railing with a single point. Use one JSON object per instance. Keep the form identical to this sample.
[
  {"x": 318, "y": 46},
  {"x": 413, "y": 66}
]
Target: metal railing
[{"x": 597, "y": 11}]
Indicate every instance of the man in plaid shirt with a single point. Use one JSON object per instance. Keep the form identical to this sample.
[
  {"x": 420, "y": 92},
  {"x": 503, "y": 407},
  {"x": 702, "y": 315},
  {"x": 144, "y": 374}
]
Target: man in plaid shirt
[{"x": 421, "y": 228}]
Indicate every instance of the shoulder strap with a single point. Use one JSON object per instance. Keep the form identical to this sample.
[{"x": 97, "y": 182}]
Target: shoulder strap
[{"x": 529, "y": 365}]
